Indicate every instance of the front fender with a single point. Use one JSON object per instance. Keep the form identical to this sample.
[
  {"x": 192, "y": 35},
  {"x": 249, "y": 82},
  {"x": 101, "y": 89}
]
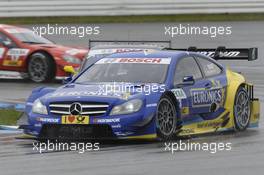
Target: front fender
[{"x": 35, "y": 94}]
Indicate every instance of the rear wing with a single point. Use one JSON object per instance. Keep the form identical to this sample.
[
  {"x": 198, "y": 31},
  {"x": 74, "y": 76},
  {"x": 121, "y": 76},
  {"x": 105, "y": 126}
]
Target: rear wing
[
  {"x": 223, "y": 53},
  {"x": 159, "y": 44},
  {"x": 220, "y": 53}
]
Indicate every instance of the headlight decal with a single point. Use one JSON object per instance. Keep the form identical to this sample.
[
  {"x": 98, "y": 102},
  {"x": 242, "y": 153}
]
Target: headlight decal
[
  {"x": 127, "y": 107},
  {"x": 39, "y": 108}
]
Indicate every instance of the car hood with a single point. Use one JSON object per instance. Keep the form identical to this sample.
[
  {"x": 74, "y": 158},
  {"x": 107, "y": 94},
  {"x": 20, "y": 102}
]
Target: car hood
[{"x": 112, "y": 93}]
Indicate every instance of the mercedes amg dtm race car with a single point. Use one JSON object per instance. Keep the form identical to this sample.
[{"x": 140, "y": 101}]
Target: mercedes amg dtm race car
[
  {"x": 25, "y": 54},
  {"x": 157, "y": 94}
]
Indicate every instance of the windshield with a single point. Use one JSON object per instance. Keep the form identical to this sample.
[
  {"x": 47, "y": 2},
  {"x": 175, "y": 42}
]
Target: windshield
[
  {"x": 135, "y": 70},
  {"x": 31, "y": 38},
  {"x": 97, "y": 54}
]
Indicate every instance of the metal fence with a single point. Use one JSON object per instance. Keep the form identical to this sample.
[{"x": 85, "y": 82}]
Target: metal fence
[{"x": 19, "y": 8}]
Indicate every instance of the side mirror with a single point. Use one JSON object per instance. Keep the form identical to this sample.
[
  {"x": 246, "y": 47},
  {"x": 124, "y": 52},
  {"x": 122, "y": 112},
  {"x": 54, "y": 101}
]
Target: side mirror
[
  {"x": 67, "y": 80},
  {"x": 187, "y": 81},
  {"x": 69, "y": 69}
]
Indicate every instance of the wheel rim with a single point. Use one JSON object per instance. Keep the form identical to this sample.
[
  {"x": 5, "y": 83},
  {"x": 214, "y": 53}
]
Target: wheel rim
[
  {"x": 38, "y": 69},
  {"x": 166, "y": 117},
  {"x": 242, "y": 109}
]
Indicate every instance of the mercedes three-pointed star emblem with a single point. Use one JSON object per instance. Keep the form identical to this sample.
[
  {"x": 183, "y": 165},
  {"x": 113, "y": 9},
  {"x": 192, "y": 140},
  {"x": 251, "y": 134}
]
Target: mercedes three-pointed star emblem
[{"x": 76, "y": 109}]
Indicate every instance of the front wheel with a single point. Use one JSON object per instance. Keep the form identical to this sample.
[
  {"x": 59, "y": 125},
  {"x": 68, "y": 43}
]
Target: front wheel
[
  {"x": 41, "y": 67},
  {"x": 166, "y": 118},
  {"x": 242, "y": 109}
]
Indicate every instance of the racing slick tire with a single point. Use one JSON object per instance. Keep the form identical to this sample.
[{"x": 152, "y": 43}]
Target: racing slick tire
[
  {"x": 41, "y": 67},
  {"x": 166, "y": 119},
  {"x": 241, "y": 109}
]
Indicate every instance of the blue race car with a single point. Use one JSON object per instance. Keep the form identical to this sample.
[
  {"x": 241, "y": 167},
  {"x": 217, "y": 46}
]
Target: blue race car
[{"x": 156, "y": 94}]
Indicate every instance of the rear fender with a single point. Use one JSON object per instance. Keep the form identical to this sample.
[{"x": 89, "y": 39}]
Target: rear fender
[{"x": 234, "y": 81}]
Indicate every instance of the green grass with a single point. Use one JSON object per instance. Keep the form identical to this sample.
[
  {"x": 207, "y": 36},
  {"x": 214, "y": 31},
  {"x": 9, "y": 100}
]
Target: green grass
[
  {"x": 9, "y": 117},
  {"x": 134, "y": 19}
]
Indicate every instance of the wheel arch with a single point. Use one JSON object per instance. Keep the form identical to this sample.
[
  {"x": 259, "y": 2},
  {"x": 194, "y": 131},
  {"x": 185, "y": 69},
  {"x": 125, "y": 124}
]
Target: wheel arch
[
  {"x": 234, "y": 82},
  {"x": 171, "y": 97},
  {"x": 175, "y": 101}
]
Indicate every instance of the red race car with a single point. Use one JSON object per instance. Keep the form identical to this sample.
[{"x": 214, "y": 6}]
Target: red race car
[{"x": 35, "y": 57}]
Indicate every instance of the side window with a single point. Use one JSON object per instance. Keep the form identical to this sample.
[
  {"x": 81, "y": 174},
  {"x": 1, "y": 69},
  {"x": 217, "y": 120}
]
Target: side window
[
  {"x": 6, "y": 41},
  {"x": 209, "y": 67},
  {"x": 186, "y": 67}
]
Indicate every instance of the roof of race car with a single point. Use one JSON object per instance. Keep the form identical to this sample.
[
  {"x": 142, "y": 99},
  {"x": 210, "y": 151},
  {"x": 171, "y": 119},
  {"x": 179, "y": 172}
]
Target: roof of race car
[
  {"x": 141, "y": 46},
  {"x": 3, "y": 26},
  {"x": 150, "y": 54}
]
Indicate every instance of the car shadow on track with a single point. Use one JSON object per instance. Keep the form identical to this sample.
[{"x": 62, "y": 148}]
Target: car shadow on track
[{"x": 107, "y": 145}]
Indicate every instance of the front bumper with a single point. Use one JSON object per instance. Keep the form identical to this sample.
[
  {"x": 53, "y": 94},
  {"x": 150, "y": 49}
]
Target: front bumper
[{"x": 134, "y": 126}]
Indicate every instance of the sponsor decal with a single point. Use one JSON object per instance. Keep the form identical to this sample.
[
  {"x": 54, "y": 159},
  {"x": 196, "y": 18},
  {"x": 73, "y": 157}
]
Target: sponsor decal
[
  {"x": 118, "y": 133},
  {"x": 202, "y": 97},
  {"x": 74, "y": 119},
  {"x": 185, "y": 111},
  {"x": 2, "y": 51},
  {"x": 37, "y": 125},
  {"x": 100, "y": 52},
  {"x": 12, "y": 63},
  {"x": 14, "y": 55},
  {"x": 214, "y": 124},
  {"x": 151, "y": 105},
  {"x": 116, "y": 126},
  {"x": 120, "y": 50},
  {"x": 100, "y": 92},
  {"x": 110, "y": 51},
  {"x": 221, "y": 54},
  {"x": 187, "y": 131},
  {"x": 85, "y": 93},
  {"x": 109, "y": 120},
  {"x": 134, "y": 60},
  {"x": 179, "y": 93},
  {"x": 48, "y": 120}
]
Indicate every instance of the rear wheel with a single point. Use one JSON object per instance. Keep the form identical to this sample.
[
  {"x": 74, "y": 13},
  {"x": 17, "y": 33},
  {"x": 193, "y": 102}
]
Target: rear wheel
[
  {"x": 242, "y": 109},
  {"x": 41, "y": 67},
  {"x": 166, "y": 118}
]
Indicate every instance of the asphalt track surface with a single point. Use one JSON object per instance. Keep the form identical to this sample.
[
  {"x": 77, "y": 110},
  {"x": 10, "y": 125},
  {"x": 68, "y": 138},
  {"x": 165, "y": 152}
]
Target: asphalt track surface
[{"x": 133, "y": 157}]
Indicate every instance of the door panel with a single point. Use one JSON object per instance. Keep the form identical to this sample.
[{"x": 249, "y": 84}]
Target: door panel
[
  {"x": 206, "y": 96},
  {"x": 211, "y": 99}
]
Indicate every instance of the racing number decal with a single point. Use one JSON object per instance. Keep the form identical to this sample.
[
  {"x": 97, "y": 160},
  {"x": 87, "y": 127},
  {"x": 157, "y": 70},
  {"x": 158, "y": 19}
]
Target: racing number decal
[
  {"x": 14, "y": 57},
  {"x": 73, "y": 119}
]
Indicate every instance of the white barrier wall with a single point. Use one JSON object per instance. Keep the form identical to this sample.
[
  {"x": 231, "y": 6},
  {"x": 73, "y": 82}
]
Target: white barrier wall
[{"x": 18, "y": 8}]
